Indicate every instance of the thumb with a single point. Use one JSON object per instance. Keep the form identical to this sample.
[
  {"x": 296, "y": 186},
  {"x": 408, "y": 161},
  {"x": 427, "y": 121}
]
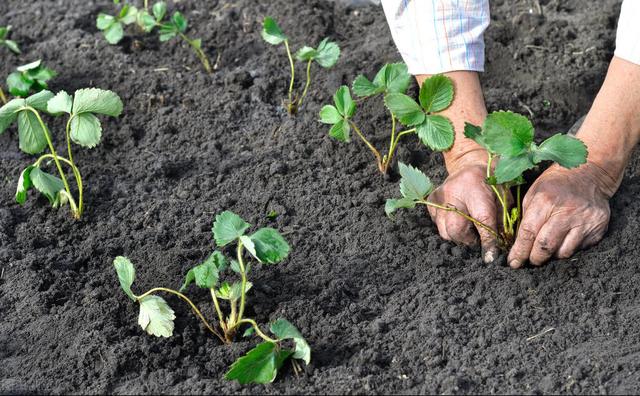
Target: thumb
[{"x": 485, "y": 212}]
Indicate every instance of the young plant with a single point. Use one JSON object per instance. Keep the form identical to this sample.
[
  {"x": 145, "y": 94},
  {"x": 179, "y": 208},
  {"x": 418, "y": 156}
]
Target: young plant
[
  {"x": 508, "y": 139},
  {"x": 326, "y": 55},
  {"x": 267, "y": 246},
  {"x": 436, "y": 94},
  {"x": 176, "y": 26},
  {"x": 28, "y": 78},
  {"x": 82, "y": 128},
  {"x": 5, "y": 42}
]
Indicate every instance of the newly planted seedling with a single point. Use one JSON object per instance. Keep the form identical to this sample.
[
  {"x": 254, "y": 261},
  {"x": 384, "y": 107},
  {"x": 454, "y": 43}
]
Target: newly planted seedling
[
  {"x": 508, "y": 139},
  {"x": 326, "y": 55},
  {"x": 29, "y": 78},
  {"x": 5, "y": 42},
  {"x": 434, "y": 130},
  {"x": 175, "y": 26},
  {"x": 82, "y": 128},
  {"x": 267, "y": 246}
]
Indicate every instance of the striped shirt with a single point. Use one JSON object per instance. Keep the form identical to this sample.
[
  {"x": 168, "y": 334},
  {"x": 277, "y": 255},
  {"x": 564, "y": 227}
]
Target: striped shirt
[{"x": 436, "y": 36}]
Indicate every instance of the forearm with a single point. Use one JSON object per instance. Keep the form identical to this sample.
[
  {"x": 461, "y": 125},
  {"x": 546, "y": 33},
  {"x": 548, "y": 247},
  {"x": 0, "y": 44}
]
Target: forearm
[
  {"x": 467, "y": 106},
  {"x": 611, "y": 130}
]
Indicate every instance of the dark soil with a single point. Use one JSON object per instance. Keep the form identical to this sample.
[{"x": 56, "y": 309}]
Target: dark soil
[{"x": 387, "y": 306}]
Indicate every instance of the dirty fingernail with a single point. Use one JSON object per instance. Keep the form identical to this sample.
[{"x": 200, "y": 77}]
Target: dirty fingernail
[{"x": 515, "y": 263}]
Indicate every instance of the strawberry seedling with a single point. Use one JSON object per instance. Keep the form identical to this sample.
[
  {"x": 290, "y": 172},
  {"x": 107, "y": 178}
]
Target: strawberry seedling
[
  {"x": 5, "y": 42},
  {"x": 436, "y": 94},
  {"x": 326, "y": 55},
  {"x": 82, "y": 128},
  {"x": 508, "y": 139},
  {"x": 29, "y": 78},
  {"x": 266, "y": 246},
  {"x": 176, "y": 26}
]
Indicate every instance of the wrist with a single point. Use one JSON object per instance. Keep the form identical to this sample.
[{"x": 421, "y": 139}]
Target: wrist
[{"x": 459, "y": 158}]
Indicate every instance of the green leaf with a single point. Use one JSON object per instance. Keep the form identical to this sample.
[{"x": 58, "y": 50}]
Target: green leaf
[
  {"x": 394, "y": 204},
  {"x": 48, "y": 185},
  {"x": 406, "y": 109},
  {"x": 248, "y": 332},
  {"x": 29, "y": 66},
  {"x": 42, "y": 75},
  {"x": 306, "y": 53},
  {"x": 179, "y": 21},
  {"x": 4, "y": 30},
  {"x": 510, "y": 168},
  {"x": 18, "y": 84},
  {"x": 61, "y": 103},
  {"x": 284, "y": 330},
  {"x": 271, "y": 32},
  {"x": 235, "y": 267},
  {"x": 114, "y": 33},
  {"x": 104, "y": 21},
  {"x": 228, "y": 227},
  {"x": 340, "y": 131},
  {"x": 128, "y": 14},
  {"x": 394, "y": 77},
  {"x": 328, "y": 53},
  {"x": 126, "y": 275},
  {"x": 207, "y": 273},
  {"x": 436, "y": 132},
  {"x": 188, "y": 279},
  {"x": 13, "y": 46},
  {"x": 260, "y": 365},
  {"x": 146, "y": 21},
  {"x": 24, "y": 184},
  {"x": 233, "y": 291},
  {"x": 364, "y": 88},
  {"x": 156, "y": 317},
  {"x": 270, "y": 246},
  {"x": 167, "y": 35},
  {"x": 159, "y": 10},
  {"x": 436, "y": 93},
  {"x": 95, "y": 100},
  {"x": 507, "y": 133},
  {"x": 413, "y": 183},
  {"x": 86, "y": 130},
  {"x": 330, "y": 115},
  {"x": 343, "y": 101},
  {"x": 31, "y": 135},
  {"x": 248, "y": 244},
  {"x": 9, "y": 113},
  {"x": 474, "y": 133},
  {"x": 566, "y": 150},
  {"x": 39, "y": 100}
]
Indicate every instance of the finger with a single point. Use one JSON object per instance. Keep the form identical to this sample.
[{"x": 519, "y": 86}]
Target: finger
[
  {"x": 460, "y": 229},
  {"x": 572, "y": 242},
  {"x": 548, "y": 241},
  {"x": 532, "y": 222},
  {"x": 438, "y": 217},
  {"x": 485, "y": 212}
]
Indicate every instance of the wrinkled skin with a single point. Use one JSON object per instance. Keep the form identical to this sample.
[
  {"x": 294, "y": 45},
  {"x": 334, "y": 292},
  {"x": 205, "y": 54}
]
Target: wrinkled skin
[{"x": 564, "y": 211}]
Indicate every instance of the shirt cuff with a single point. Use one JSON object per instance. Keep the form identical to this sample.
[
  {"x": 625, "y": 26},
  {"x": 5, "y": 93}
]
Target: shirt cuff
[{"x": 628, "y": 35}]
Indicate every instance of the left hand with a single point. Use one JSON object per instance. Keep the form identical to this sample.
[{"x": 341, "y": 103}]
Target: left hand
[{"x": 565, "y": 210}]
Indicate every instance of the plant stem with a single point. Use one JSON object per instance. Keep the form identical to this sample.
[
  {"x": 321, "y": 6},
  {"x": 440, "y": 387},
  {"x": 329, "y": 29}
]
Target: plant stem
[
  {"x": 199, "y": 52},
  {"x": 257, "y": 329},
  {"x": 293, "y": 74},
  {"x": 218, "y": 310},
  {"x": 76, "y": 172},
  {"x": 501, "y": 198},
  {"x": 519, "y": 206},
  {"x": 394, "y": 145},
  {"x": 191, "y": 304},
  {"x": 375, "y": 152},
  {"x": 3, "y": 98},
  {"x": 243, "y": 286},
  {"x": 450, "y": 208},
  {"x": 146, "y": 4},
  {"x": 54, "y": 155},
  {"x": 306, "y": 85}
]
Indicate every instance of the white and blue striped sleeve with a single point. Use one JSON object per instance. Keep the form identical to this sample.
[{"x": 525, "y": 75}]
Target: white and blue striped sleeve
[
  {"x": 628, "y": 35},
  {"x": 437, "y": 36}
]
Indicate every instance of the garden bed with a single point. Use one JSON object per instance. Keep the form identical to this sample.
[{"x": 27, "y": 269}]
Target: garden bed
[{"x": 387, "y": 306}]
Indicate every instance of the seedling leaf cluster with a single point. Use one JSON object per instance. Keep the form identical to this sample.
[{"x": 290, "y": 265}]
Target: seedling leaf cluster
[
  {"x": 113, "y": 26},
  {"x": 392, "y": 81},
  {"x": 5, "y": 42},
  {"x": 266, "y": 246},
  {"x": 509, "y": 141},
  {"x": 28, "y": 78},
  {"x": 83, "y": 128},
  {"x": 326, "y": 55}
]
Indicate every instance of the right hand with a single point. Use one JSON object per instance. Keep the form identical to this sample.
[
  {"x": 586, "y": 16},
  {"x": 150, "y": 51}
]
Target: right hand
[{"x": 466, "y": 189}]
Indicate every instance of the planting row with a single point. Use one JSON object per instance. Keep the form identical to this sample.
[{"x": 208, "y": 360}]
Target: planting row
[{"x": 507, "y": 137}]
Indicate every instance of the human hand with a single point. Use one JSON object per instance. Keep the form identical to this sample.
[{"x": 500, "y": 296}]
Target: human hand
[
  {"x": 565, "y": 210},
  {"x": 465, "y": 188}
]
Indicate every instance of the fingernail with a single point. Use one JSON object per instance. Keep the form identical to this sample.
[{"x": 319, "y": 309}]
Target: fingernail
[
  {"x": 489, "y": 256},
  {"x": 515, "y": 263}
]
